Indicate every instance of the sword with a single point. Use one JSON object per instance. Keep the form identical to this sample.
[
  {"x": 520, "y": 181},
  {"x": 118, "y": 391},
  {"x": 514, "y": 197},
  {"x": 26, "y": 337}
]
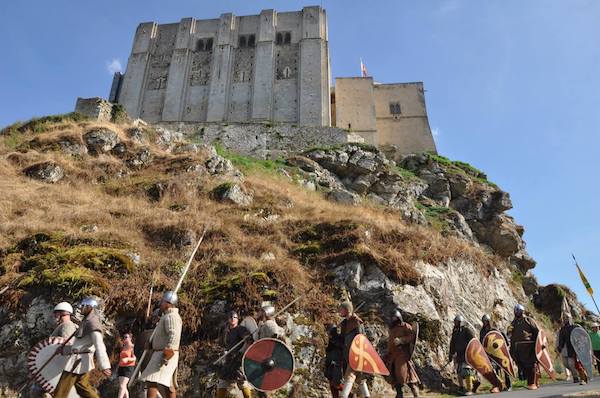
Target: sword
[
  {"x": 133, "y": 378},
  {"x": 281, "y": 311}
]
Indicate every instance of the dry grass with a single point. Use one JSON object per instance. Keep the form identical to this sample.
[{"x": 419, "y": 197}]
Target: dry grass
[{"x": 306, "y": 234}]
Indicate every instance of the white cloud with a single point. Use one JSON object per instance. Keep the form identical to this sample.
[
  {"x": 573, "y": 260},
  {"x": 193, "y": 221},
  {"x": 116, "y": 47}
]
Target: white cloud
[
  {"x": 435, "y": 131},
  {"x": 114, "y": 66},
  {"x": 448, "y": 7}
]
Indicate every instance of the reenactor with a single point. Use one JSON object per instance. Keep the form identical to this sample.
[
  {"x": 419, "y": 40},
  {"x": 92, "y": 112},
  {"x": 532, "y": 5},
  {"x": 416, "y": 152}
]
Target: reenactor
[
  {"x": 461, "y": 336},
  {"x": 523, "y": 332},
  {"x": 401, "y": 340}
]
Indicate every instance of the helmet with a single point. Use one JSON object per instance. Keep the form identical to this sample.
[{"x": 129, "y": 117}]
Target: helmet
[
  {"x": 170, "y": 297},
  {"x": 486, "y": 318},
  {"x": 348, "y": 306},
  {"x": 64, "y": 307},
  {"x": 232, "y": 314},
  {"x": 397, "y": 315},
  {"x": 519, "y": 309},
  {"x": 89, "y": 301},
  {"x": 459, "y": 318},
  {"x": 269, "y": 310},
  {"x": 568, "y": 319}
]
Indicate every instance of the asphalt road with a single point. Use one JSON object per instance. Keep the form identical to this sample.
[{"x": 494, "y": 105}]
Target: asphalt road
[{"x": 559, "y": 389}]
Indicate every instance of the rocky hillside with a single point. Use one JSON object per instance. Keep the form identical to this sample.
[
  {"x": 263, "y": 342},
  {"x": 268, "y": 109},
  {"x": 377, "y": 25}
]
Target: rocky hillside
[{"x": 109, "y": 210}]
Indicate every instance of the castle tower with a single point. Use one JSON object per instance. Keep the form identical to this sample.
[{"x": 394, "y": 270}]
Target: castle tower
[{"x": 268, "y": 67}]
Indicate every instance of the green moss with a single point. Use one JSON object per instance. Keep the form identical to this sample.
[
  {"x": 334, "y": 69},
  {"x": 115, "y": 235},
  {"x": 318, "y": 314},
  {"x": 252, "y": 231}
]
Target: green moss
[
  {"x": 405, "y": 173},
  {"x": 458, "y": 167},
  {"x": 221, "y": 189},
  {"x": 69, "y": 281},
  {"x": 436, "y": 216},
  {"x": 250, "y": 164}
]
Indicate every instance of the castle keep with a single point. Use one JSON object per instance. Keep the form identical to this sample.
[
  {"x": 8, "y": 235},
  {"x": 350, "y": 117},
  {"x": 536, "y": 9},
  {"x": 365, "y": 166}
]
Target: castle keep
[
  {"x": 272, "y": 67},
  {"x": 267, "y": 67}
]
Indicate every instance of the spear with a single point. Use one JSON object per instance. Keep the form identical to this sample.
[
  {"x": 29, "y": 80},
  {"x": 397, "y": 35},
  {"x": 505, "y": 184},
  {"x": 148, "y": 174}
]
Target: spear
[
  {"x": 281, "y": 311},
  {"x": 183, "y": 274},
  {"x": 585, "y": 282}
]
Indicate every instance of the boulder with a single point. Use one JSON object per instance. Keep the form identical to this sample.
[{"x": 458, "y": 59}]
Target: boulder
[
  {"x": 173, "y": 236},
  {"x": 100, "y": 140},
  {"x": 218, "y": 165},
  {"x": 49, "y": 172},
  {"x": 344, "y": 197},
  {"x": 136, "y": 135},
  {"x": 156, "y": 191},
  {"x": 232, "y": 193},
  {"x": 139, "y": 159}
]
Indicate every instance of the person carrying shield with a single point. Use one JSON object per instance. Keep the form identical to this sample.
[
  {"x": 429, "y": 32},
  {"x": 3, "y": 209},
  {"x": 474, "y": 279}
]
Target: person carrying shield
[
  {"x": 334, "y": 358},
  {"x": 595, "y": 337},
  {"x": 87, "y": 342},
  {"x": 160, "y": 375},
  {"x": 268, "y": 327},
  {"x": 398, "y": 358},
  {"x": 524, "y": 333},
  {"x": 461, "y": 336},
  {"x": 231, "y": 371},
  {"x": 487, "y": 327},
  {"x": 564, "y": 341},
  {"x": 351, "y": 326},
  {"x": 65, "y": 327}
]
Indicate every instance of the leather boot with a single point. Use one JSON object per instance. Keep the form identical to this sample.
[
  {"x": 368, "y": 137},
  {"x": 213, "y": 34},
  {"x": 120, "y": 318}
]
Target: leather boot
[{"x": 399, "y": 392}]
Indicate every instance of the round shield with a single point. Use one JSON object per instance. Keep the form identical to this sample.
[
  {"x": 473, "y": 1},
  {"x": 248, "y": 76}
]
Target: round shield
[
  {"x": 48, "y": 378},
  {"x": 268, "y": 365}
]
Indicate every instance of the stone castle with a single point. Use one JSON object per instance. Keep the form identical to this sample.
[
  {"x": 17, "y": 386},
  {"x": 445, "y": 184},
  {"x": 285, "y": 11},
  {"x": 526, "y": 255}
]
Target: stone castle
[{"x": 272, "y": 67}]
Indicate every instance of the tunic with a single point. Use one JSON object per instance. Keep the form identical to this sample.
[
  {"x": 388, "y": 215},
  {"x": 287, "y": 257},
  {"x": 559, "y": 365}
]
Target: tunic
[
  {"x": 88, "y": 341},
  {"x": 461, "y": 337},
  {"x": 167, "y": 334},
  {"x": 522, "y": 341},
  {"x": 397, "y": 359},
  {"x": 231, "y": 370},
  {"x": 64, "y": 330},
  {"x": 349, "y": 328},
  {"x": 270, "y": 329}
]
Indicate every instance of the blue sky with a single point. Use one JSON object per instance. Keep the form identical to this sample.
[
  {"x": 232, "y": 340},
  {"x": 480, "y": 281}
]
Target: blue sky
[{"x": 513, "y": 88}]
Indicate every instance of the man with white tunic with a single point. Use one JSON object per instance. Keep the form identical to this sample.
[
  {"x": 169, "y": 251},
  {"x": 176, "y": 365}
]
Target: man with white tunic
[
  {"x": 65, "y": 327},
  {"x": 87, "y": 342},
  {"x": 268, "y": 327},
  {"x": 160, "y": 374}
]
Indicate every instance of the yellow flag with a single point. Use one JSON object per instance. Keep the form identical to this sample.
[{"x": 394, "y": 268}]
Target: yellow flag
[{"x": 585, "y": 281}]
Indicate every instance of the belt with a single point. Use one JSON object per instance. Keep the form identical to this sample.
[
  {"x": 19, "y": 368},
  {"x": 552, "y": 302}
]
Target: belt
[
  {"x": 77, "y": 352},
  {"x": 161, "y": 350}
]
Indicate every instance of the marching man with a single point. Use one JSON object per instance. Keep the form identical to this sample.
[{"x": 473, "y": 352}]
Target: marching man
[
  {"x": 461, "y": 336},
  {"x": 523, "y": 332},
  {"x": 88, "y": 341},
  {"x": 268, "y": 327},
  {"x": 398, "y": 358},
  {"x": 349, "y": 328},
  {"x": 160, "y": 374},
  {"x": 62, "y": 315}
]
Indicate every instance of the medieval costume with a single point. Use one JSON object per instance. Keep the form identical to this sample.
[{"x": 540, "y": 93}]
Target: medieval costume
[
  {"x": 485, "y": 329},
  {"x": 268, "y": 329},
  {"x": 88, "y": 341},
  {"x": 334, "y": 361},
  {"x": 398, "y": 358},
  {"x": 564, "y": 343},
  {"x": 595, "y": 337},
  {"x": 351, "y": 326},
  {"x": 231, "y": 371},
  {"x": 160, "y": 374},
  {"x": 523, "y": 332},
  {"x": 461, "y": 336}
]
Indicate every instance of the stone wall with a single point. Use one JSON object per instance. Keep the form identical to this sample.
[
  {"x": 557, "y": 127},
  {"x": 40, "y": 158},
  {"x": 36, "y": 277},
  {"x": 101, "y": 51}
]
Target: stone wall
[
  {"x": 260, "y": 139},
  {"x": 95, "y": 108},
  {"x": 268, "y": 67}
]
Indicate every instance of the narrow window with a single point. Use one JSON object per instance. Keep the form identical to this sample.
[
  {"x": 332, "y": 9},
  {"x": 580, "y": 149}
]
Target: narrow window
[
  {"x": 251, "y": 40},
  {"x": 279, "y": 39},
  {"x": 242, "y": 43},
  {"x": 287, "y": 72},
  {"x": 200, "y": 45},
  {"x": 395, "y": 108},
  {"x": 209, "y": 44},
  {"x": 288, "y": 38}
]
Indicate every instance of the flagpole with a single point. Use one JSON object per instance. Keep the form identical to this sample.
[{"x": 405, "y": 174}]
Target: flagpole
[{"x": 586, "y": 283}]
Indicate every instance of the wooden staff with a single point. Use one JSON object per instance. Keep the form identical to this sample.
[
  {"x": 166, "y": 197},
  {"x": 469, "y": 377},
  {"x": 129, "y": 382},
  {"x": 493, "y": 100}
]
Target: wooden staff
[{"x": 183, "y": 274}]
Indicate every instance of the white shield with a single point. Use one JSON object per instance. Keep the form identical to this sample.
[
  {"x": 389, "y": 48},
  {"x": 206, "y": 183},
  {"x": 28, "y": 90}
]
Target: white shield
[{"x": 49, "y": 376}]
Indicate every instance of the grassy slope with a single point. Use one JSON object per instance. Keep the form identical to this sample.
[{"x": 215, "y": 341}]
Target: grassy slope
[{"x": 308, "y": 236}]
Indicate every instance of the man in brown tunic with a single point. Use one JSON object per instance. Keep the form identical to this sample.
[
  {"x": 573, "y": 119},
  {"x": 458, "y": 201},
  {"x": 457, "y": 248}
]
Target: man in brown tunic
[
  {"x": 398, "y": 357},
  {"x": 523, "y": 332}
]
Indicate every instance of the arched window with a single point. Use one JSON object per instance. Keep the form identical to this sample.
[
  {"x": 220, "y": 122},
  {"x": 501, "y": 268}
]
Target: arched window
[
  {"x": 242, "y": 41},
  {"x": 251, "y": 40},
  {"x": 200, "y": 45},
  {"x": 279, "y": 39},
  {"x": 288, "y": 38},
  {"x": 287, "y": 72},
  {"x": 209, "y": 44}
]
